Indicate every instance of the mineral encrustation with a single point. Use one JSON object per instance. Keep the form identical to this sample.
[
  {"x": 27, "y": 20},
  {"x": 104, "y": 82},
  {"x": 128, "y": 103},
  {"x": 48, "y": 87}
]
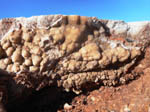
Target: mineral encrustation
[{"x": 73, "y": 53}]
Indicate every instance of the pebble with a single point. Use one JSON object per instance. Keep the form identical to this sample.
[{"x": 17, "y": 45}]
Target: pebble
[
  {"x": 93, "y": 98},
  {"x": 28, "y": 62},
  {"x": 126, "y": 109},
  {"x": 9, "y": 67},
  {"x": 33, "y": 69},
  {"x": 67, "y": 106},
  {"x": 6, "y": 45},
  {"x": 25, "y": 53},
  {"x": 23, "y": 68},
  {"x": 36, "y": 60},
  {"x": 16, "y": 67},
  {"x": 27, "y": 37},
  {"x": 7, "y": 61},
  {"x": 2, "y": 64},
  {"x": 9, "y": 51},
  {"x": 36, "y": 50},
  {"x": 16, "y": 57},
  {"x": 15, "y": 36}
]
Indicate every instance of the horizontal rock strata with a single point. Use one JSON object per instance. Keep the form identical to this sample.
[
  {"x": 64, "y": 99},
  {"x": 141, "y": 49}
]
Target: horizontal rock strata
[{"x": 69, "y": 52}]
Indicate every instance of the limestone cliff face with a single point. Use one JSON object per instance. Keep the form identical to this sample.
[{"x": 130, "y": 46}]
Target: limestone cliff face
[{"x": 70, "y": 52}]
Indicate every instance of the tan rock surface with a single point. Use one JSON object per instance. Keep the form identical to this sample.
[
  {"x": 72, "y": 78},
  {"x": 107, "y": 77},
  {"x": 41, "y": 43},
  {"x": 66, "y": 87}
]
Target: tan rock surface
[{"x": 70, "y": 52}]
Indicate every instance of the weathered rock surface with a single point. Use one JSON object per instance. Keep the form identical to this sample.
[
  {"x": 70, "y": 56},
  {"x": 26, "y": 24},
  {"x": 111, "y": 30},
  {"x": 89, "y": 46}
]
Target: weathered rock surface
[
  {"x": 131, "y": 97},
  {"x": 74, "y": 53}
]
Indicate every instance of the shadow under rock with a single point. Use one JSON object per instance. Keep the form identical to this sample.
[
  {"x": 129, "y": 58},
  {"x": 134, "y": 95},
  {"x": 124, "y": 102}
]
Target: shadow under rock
[{"x": 48, "y": 99}]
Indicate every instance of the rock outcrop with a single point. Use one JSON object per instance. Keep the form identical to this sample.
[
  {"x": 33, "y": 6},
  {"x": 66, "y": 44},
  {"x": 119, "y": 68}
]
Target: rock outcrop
[{"x": 73, "y": 53}]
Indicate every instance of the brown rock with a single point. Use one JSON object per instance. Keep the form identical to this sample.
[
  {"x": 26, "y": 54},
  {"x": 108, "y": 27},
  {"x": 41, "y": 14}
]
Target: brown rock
[
  {"x": 28, "y": 35},
  {"x": 15, "y": 36},
  {"x": 67, "y": 106},
  {"x": 36, "y": 50},
  {"x": 7, "y": 61},
  {"x": 6, "y": 45},
  {"x": 15, "y": 67},
  {"x": 25, "y": 53},
  {"x": 2, "y": 64},
  {"x": 9, "y": 68},
  {"x": 28, "y": 62},
  {"x": 34, "y": 69},
  {"x": 122, "y": 54},
  {"x": 90, "y": 52},
  {"x": 9, "y": 51},
  {"x": 17, "y": 57},
  {"x": 36, "y": 60}
]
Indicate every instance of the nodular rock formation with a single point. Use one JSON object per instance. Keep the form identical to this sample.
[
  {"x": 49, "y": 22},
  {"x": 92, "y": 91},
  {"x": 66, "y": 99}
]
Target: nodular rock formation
[{"x": 72, "y": 53}]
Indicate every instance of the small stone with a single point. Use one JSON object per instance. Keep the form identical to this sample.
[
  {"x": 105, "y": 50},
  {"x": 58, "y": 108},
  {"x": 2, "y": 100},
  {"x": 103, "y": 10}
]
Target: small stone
[
  {"x": 67, "y": 106},
  {"x": 3, "y": 41},
  {"x": 65, "y": 65},
  {"x": 9, "y": 51},
  {"x": 77, "y": 56},
  {"x": 91, "y": 64},
  {"x": 28, "y": 45},
  {"x": 122, "y": 54},
  {"x": 25, "y": 53},
  {"x": 28, "y": 35},
  {"x": 27, "y": 38},
  {"x": 57, "y": 34},
  {"x": 44, "y": 61},
  {"x": 36, "y": 50},
  {"x": 34, "y": 69},
  {"x": 93, "y": 98},
  {"x": 58, "y": 38},
  {"x": 36, "y": 60},
  {"x": 16, "y": 67},
  {"x": 23, "y": 68},
  {"x": 6, "y": 45},
  {"x": 71, "y": 65},
  {"x": 104, "y": 61},
  {"x": 114, "y": 59},
  {"x": 90, "y": 38},
  {"x": 2, "y": 64},
  {"x": 134, "y": 53},
  {"x": 9, "y": 67},
  {"x": 7, "y": 61},
  {"x": 15, "y": 36},
  {"x": 126, "y": 109},
  {"x": 37, "y": 39},
  {"x": 90, "y": 52},
  {"x": 16, "y": 57},
  {"x": 44, "y": 55},
  {"x": 28, "y": 62}
]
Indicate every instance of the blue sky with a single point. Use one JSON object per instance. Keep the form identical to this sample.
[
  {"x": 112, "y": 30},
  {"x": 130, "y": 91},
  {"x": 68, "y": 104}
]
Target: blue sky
[{"x": 127, "y": 10}]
